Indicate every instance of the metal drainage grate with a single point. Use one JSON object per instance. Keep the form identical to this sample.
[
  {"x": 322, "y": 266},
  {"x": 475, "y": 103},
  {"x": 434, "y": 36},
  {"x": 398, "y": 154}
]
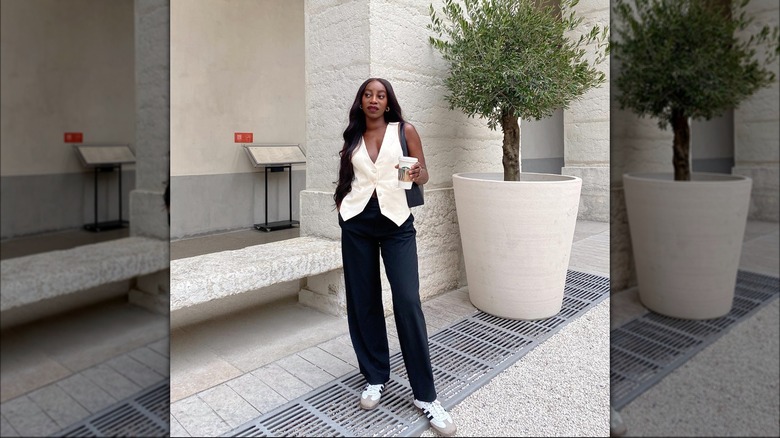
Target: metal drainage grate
[
  {"x": 144, "y": 414},
  {"x": 644, "y": 350},
  {"x": 465, "y": 356}
]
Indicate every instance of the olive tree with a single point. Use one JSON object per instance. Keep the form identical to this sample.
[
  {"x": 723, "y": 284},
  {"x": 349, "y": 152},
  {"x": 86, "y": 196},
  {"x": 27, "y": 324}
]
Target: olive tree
[
  {"x": 683, "y": 59},
  {"x": 515, "y": 59}
]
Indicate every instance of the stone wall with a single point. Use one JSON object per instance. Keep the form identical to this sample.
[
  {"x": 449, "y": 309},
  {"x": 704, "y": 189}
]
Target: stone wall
[
  {"x": 757, "y": 136},
  {"x": 586, "y": 127},
  {"x": 348, "y": 42}
]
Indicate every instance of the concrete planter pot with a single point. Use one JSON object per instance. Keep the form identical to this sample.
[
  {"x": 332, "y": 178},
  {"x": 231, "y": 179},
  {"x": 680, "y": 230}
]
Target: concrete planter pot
[
  {"x": 517, "y": 238},
  {"x": 687, "y": 239}
]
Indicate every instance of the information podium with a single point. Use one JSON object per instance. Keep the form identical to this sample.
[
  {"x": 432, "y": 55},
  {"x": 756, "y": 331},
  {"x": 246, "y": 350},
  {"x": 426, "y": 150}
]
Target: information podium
[
  {"x": 105, "y": 158},
  {"x": 275, "y": 158}
]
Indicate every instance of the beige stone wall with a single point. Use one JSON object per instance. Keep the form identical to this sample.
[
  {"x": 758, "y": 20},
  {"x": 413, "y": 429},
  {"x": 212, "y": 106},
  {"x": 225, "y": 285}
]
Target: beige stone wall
[
  {"x": 67, "y": 66},
  {"x": 236, "y": 66},
  {"x": 586, "y": 127},
  {"x": 757, "y": 134},
  {"x": 350, "y": 41},
  {"x": 148, "y": 216}
]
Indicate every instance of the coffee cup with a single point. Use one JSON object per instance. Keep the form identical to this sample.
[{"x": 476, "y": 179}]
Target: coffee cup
[{"x": 404, "y": 167}]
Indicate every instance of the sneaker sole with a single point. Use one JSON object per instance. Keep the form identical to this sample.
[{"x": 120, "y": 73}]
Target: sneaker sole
[
  {"x": 443, "y": 433},
  {"x": 368, "y": 408}
]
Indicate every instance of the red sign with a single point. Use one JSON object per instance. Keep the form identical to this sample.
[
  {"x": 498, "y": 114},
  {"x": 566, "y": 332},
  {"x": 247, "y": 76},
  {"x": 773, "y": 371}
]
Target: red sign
[
  {"x": 243, "y": 137},
  {"x": 74, "y": 137}
]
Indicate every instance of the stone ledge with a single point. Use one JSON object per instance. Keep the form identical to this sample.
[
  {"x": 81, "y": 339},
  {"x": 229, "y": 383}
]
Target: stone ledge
[
  {"x": 43, "y": 276},
  {"x": 208, "y": 277}
]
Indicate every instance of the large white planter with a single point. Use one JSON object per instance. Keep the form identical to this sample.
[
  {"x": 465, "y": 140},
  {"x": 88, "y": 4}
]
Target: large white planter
[
  {"x": 517, "y": 239},
  {"x": 687, "y": 239}
]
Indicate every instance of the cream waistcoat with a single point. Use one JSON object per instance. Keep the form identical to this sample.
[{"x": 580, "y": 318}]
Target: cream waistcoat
[{"x": 382, "y": 176}]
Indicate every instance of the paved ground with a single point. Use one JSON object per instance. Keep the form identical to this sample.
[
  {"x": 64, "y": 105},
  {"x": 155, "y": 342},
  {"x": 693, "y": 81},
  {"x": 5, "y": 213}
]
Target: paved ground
[
  {"x": 59, "y": 370},
  {"x": 560, "y": 388},
  {"x": 228, "y": 371},
  {"x": 732, "y": 387}
]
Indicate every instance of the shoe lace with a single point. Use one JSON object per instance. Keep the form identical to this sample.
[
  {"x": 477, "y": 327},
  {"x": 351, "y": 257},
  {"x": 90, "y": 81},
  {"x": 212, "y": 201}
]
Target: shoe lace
[{"x": 374, "y": 390}]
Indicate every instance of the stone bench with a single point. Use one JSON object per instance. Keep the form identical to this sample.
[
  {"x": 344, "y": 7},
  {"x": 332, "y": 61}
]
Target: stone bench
[
  {"x": 215, "y": 276},
  {"x": 50, "y": 279}
]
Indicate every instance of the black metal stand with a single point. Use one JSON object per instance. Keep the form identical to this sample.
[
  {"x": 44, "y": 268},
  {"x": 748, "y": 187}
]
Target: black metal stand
[
  {"x": 107, "y": 225},
  {"x": 279, "y": 225}
]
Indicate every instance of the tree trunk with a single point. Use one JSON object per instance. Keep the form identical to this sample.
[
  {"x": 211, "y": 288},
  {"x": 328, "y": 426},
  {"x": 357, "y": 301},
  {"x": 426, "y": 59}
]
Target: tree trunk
[
  {"x": 511, "y": 160},
  {"x": 681, "y": 146}
]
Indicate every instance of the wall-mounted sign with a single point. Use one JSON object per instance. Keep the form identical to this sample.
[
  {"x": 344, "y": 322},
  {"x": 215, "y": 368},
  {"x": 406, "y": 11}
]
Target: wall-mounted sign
[
  {"x": 74, "y": 137},
  {"x": 243, "y": 137}
]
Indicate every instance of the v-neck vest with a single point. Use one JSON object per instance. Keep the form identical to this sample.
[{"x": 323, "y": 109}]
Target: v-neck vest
[{"x": 380, "y": 175}]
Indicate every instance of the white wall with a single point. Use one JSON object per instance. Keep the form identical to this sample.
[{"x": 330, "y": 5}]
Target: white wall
[
  {"x": 757, "y": 134},
  {"x": 586, "y": 125},
  {"x": 542, "y": 144},
  {"x": 236, "y": 66},
  {"x": 66, "y": 66},
  {"x": 348, "y": 41}
]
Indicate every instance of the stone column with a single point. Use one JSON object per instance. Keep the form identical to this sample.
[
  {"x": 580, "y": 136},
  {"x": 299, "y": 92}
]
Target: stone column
[
  {"x": 586, "y": 129},
  {"x": 756, "y": 137},
  {"x": 148, "y": 216},
  {"x": 348, "y": 41}
]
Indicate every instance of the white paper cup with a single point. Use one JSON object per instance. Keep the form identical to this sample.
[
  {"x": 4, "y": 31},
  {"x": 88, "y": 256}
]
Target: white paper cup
[{"x": 404, "y": 166}]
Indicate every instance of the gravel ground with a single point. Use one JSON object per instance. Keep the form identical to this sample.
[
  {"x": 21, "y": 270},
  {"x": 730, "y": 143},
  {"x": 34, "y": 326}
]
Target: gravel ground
[
  {"x": 731, "y": 388},
  {"x": 560, "y": 388}
]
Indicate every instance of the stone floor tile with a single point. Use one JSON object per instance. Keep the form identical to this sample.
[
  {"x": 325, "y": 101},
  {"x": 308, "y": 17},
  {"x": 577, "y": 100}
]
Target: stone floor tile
[
  {"x": 87, "y": 393},
  {"x": 58, "y": 405},
  {"x": 457, "y": 299},
  {"x": 197, "y": 418},
  {"x": 27, "y": 418},
  {"x": 162, "y": 346},
  {"x": 435, "y": 323},
  {"x": 138, "y": 373},
  {"x": 177, "y": 429},
  {"x": 328, "y": 362},
  {"x": 6, "y": 429},
  {"x": 393, "y": 343},
  {"x": 152, "y": 359},
  {"x": 281, "y": 381},
  {"x": 229, "y": 405},
  {"x": 311, "y": 374},
  {"x": 341, "y": 350},
  {"x": 256, "y": 392},
  {"x": 346, "y": 340},
  {"x": 25, "y": 367},
  {"x": 114, "y": 383},
  {"x": 445, "y": 311}
]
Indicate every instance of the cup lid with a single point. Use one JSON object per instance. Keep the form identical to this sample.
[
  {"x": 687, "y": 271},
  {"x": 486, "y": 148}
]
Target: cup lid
[{"x": 408, "y": 159}]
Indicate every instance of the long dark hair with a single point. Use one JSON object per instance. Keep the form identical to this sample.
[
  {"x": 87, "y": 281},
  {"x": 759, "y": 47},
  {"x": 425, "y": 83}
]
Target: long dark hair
[{"x": 355, "y": 130}]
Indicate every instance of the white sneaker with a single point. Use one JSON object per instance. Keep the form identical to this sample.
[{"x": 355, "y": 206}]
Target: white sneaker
[
  {"x": 439, "y": 418},
  {"x": 369, "y": 399}
]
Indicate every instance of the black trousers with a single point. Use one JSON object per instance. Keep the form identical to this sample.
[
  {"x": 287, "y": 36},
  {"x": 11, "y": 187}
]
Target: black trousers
[{"x": 362, "y": 239}]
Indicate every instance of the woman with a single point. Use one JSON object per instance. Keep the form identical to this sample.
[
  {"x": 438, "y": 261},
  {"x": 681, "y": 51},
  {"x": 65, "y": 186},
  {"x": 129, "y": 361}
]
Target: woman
[{"x": 374, "y": 217}]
